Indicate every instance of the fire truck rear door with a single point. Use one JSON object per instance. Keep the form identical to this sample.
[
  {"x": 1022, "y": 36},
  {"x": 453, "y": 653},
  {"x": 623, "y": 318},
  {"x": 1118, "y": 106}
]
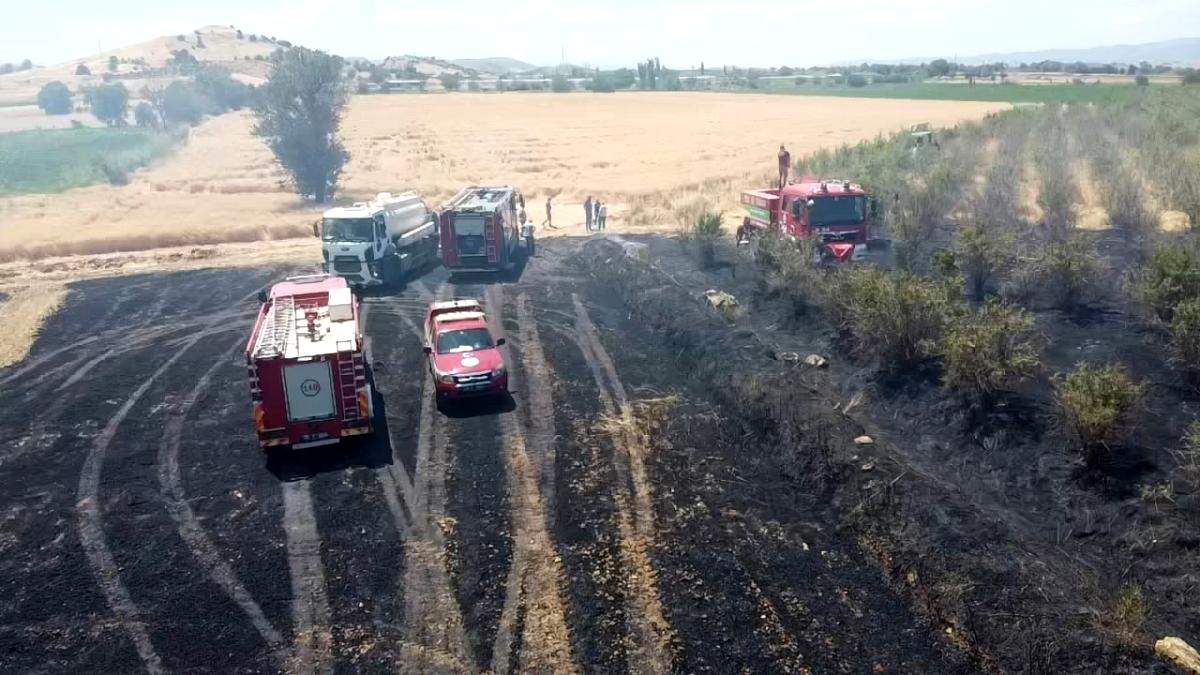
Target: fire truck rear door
[{"x": 309, "y": 390}]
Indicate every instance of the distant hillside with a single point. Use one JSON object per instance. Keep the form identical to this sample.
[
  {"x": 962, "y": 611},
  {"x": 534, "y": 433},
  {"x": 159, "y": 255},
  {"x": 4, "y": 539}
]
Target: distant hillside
[
  {"x": 498, "y": 65},
  {"x": 425, "y": 65},
  {"x": 140, "y": 64},
  {"x": 1182, "y": 51}
]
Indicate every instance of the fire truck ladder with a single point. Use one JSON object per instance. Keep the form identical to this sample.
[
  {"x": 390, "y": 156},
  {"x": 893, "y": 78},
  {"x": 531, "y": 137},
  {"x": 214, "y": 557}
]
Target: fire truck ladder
[
  {"x": 278, "y": 327},
  {"x": 352, "y": 375},
  {"x": 489, "y": 235}
]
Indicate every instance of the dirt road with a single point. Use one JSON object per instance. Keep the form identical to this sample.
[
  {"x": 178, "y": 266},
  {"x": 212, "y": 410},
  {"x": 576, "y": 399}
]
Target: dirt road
[{"x": 142, "y": 529}]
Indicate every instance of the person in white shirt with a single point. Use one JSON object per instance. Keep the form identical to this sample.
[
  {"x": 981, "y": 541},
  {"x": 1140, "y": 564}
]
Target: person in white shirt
[{"x": 602, "y": 218}]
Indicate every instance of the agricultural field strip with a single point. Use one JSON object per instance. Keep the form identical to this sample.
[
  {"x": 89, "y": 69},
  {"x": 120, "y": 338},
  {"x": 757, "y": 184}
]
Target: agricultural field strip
[
  {"x": 536, "y": 574},
  {"x": 648, "y": 625},
  {"x": 310, "y": 597}
]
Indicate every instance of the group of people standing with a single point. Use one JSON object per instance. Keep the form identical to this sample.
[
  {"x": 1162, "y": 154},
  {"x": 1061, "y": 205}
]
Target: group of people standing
[{"x": 595, "y": 214}]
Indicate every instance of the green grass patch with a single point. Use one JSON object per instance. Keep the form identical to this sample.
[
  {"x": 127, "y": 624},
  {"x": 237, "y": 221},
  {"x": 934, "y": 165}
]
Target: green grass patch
[
  {"x": 45, "y": 161},
  {"x": 1000, "y": 93}
]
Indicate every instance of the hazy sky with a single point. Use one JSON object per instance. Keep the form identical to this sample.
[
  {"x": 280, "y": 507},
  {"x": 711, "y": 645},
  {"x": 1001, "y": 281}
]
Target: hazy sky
[{"x": 613, "y": 32}]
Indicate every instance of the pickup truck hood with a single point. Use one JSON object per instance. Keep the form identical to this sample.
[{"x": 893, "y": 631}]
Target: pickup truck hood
[{"x": 463, "y": 363}]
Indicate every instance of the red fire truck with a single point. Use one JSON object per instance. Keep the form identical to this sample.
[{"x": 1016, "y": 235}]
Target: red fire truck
[
  {"x": 480, "y": 231},
  {"x": 837, "y": 211},
  {"x": 308, "y": 376}
]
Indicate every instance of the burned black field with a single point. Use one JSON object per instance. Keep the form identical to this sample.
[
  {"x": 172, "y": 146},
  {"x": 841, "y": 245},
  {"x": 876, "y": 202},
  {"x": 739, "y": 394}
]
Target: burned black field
[
  {"x": 671, "y": 487},
  {"x": 598, "y": 521}
]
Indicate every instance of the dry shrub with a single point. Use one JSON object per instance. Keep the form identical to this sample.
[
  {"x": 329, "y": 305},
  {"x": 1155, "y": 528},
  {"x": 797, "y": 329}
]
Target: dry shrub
[
  {"x": 1067, "y": 272},
  {"x": 1185, "y": 335},
  {"x": 1127, "y": 614},
  {"x": 895, "y": 318},
  {"x": 791, "y": 271},
  {"x": 1170, "y": 277},
  {"x": 990, "y": 349},
  {"x": 982, "y": 253},
  {"x": 1097, "y": 408},
  {"x": 688, "y": 213},
  {"x": 1188, "y": 455}
]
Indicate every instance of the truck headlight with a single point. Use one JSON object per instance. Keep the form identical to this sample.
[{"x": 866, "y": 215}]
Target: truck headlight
[
  {"x": 446, "y": 379},
  {"x": 500, "y": 371},
  {"x": 369, "y": 255}
]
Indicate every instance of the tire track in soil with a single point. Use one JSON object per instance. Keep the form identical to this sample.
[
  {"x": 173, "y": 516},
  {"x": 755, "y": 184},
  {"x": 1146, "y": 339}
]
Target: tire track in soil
[
  {"x": 189, "y": 526},
  {"x": 362, "y": 513},
  {"x": 434, "y": 635},
  {"x": 312, "y": 648},
  {"x": 534, "y": 611},
  {"x": 91, "y": 524},
  {"x": 652, "y": 636},
  {"x": 93, "y": 432}
]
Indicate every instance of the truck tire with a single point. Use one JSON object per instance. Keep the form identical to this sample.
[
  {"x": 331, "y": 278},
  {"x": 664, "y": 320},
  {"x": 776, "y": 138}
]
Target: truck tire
[{"x": 389, "y": 270}]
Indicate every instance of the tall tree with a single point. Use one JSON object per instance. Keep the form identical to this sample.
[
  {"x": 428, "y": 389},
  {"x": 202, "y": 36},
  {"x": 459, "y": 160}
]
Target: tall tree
[
  {"x": 109, "y": 103},
  {"x": 55, "y": 98},
  {"x": 299, "y": 110}
]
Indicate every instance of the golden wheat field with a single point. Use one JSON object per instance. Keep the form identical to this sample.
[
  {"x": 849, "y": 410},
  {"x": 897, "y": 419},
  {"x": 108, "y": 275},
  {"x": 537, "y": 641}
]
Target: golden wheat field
[
  {"x": 640, "y": 152},
  {"x": 647, "y": 155}
]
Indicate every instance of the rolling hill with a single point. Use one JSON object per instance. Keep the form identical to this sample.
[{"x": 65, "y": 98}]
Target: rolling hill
[
  {"x": 1181, "y": 51},
  {"x": 497, "y": 65},
  {"x": 139, "y": 64}
]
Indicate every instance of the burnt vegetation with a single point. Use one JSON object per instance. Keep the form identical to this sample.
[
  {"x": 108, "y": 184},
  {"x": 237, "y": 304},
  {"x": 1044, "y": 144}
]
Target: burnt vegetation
[{"x": 1028, "y": 358}]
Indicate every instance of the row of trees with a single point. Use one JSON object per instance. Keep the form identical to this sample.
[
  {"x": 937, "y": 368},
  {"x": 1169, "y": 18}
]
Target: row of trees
[
  {"x": 6, "y": 68},
  {"x": 210, "y": 91}
]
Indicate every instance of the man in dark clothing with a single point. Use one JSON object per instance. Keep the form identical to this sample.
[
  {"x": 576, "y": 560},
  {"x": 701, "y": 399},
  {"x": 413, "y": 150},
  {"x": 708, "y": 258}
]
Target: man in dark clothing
[
  {"x": 785, "y": 165},
  {"x": 550, "y": 214},
  {"x": 587, "y": 213}
]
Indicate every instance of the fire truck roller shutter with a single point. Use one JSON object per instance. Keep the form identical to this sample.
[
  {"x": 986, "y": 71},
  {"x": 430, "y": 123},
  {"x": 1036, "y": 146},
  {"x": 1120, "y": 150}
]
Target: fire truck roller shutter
[{"x": 309, "y": 390}]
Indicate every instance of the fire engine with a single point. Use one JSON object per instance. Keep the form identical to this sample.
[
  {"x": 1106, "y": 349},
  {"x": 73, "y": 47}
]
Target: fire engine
[
  {"x": 480, "y": 229},
  {"x": 837, "y": 211},
  {"x": 308, "y": 375}
]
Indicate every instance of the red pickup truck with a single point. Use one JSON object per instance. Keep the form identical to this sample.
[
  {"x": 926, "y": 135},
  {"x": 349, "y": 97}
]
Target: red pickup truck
[{"x": 464, "y": 358}]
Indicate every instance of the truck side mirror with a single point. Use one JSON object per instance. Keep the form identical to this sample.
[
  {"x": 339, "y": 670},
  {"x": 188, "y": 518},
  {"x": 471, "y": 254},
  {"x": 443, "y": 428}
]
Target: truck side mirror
[
  {"x": 317, "y": 229},
  {"x": 500, "y": 342},
  {"x": 427, "y": 349},
  {"x": 262, "y": 297}
]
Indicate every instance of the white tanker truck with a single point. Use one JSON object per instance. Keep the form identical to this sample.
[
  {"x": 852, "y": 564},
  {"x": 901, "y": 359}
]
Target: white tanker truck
[{"x": 380, "y": 241}]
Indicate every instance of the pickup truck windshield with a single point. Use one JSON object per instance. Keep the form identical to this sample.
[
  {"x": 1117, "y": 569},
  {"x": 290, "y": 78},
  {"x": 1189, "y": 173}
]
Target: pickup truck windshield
[
  {"x": 347, "y": 229},
  {"x": 467, "y": 340},
  {"x": 837, "y": 211}
]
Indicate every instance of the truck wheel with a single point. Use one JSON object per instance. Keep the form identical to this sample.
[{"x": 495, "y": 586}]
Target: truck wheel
[{"x": 390, "y": 272}]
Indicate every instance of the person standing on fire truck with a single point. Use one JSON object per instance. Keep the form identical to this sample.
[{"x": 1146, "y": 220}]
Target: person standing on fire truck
[{"x": 785, "y": 165}]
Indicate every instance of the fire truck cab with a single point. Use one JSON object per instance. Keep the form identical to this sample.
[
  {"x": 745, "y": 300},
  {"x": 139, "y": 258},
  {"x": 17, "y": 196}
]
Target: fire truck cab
[
  {"x": 308, "y": 374},
  {"x": 480, "y": 229},
  {"x": 837, "y": 211}
]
